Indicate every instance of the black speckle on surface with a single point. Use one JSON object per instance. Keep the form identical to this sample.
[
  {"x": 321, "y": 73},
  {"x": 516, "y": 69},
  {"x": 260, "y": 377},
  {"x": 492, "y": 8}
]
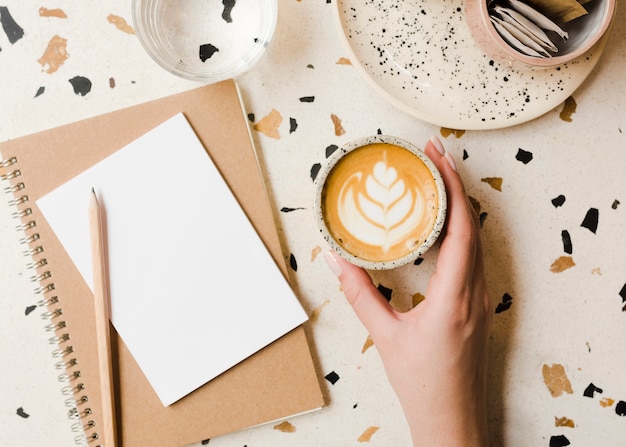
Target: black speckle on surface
[
  {"x": 207, "y": 51},
  {"x": 315, "y": 169},
  {"x": 81, "y": 85},
  {"x": 228, "y": 8},
  {"x": 386, "y": 292},
  {"x": 620, "y": 408},
  {"x": 332, "y": 377},
  {"x": 293, "y": 125},
  {"x": 615, "y": 204},
  {"x": 29, "y": 310},
  {"x": 418, "y": 261},
  {"x": 524, "y": 156},
  {"x": 507, "y": 301},
  {"x": 355, "y": 405},
  {"x": 567, "y": 242},
  {"x": 559, "y": 441},
  {"x": 558, "y": 201},
  {"x": 482, "y": 218},
  {"x": 13, "y": 31},
  {"x": 40, "y": 91},
  {"x": 591, "y": 390},
  {"x": 205, "y": 442},
  {"x": 22, "y": 413},
  {"x": 590, "y": 221},
  {"x": 286, "y": 209},
  {"x": 307, "y": 99},
  {"x": 293, "y": 263},
  {"x": 622, "y": 293},
  {"x": 330, "y": 150},
  {"x": 251, "y": 117},
  {"x": 465, "y": 155}
]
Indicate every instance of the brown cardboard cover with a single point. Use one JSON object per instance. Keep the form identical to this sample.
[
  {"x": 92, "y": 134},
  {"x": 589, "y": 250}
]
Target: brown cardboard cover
[{"x": 277, "y": 382}]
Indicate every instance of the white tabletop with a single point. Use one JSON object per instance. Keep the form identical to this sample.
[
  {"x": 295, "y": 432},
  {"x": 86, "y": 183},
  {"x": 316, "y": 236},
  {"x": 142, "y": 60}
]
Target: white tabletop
[{"x": 547, "y": 318}]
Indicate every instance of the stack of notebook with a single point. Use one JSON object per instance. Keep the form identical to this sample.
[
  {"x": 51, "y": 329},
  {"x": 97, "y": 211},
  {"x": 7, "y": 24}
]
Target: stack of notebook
[{"x": 275, "y": 382}]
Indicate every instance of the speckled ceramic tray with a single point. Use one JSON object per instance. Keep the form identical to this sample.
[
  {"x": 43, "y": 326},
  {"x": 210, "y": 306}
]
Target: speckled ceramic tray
[{"x": 420, "y": 55}]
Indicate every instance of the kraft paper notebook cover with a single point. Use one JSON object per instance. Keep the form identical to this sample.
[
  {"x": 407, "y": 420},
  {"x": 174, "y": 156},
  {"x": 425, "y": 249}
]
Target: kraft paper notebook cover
[
  {"x": 216, "y": 288},
  {"x": 278, "y": 381}
]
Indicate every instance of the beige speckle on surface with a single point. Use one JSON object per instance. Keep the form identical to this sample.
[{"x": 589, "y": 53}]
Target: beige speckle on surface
[
  {"x": 315, "y": 313},
  {"x": 121, "y": 24},
  {"x": 563, "y": 422},
  {"x": 269, "y": 124},
  {"x": 607, "y": 402},
  {"x": 446, "y": 132},
  {"x": 494, "y": 182},
  {"x": 55, "y": 54},
  {"x": 417, "y": 298},
  {"x": 315, "y": 252},
  {"x": 569, "y": 108},
  {"x": 58, "y": 13},
  {"x": 368, "y": 344},
  {"x": 339, "y": 130},
  {"x": 285, "y": 427},
  {"x": 368, "y": 433},
  {"x": 562, "y": 263},
  {"x": 556, "y": 380}
]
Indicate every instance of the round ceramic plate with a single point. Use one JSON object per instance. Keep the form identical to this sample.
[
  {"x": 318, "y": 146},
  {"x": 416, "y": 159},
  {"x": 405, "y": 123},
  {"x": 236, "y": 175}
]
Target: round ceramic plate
[{"x": 420, "y": 55}]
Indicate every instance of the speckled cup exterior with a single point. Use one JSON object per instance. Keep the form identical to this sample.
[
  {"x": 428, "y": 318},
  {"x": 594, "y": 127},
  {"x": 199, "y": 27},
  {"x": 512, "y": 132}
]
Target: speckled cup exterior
[
  {"x": 319, "y": 215},
  {"x": 590, "y": 31}
]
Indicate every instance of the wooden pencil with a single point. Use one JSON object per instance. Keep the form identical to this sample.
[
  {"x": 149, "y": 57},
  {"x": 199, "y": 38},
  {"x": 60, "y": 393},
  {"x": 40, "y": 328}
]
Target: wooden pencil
[{"x": 107, "y": 432}]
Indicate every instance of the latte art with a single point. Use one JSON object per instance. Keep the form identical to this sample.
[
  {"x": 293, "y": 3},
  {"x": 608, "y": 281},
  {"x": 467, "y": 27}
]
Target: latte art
[
  {"x": 380, "y": 202},
  {"x": 379, "y": 208}
]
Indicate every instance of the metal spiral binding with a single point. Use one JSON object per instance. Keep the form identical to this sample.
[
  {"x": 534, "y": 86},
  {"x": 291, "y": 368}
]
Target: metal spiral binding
[
  {"x": 49, "y": 302},
  {"x": 10, "y": 175},
  {"x": 41, "y": 277},
  {"x": 55, "y": 327},
  {"x": 14, "y": 188},
  {"x": 27, "y": 226},
  {"x": 8, "y": 162},
  {"x": 18, "y": 201},
  {"x": 77, "y": 400}
]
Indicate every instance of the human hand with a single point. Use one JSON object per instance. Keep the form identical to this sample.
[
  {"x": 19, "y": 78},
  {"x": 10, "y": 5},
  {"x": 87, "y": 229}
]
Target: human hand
[{"x": 435, "y": 355}]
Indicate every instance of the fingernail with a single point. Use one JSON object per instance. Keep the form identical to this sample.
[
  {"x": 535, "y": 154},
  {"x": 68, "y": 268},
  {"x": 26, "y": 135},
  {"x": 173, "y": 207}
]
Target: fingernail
[
  {"x": 331, "y": 260},
  {"x": 451, "y": 160},
  {"x": 437, "y": 143}
]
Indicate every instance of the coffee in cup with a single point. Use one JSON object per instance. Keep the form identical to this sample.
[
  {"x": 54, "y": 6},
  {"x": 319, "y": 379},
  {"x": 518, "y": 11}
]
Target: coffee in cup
[{"x": 380, "y": 202}]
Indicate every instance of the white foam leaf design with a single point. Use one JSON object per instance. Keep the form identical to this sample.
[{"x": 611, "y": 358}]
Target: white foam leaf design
[{"x": 385, "y": 211}]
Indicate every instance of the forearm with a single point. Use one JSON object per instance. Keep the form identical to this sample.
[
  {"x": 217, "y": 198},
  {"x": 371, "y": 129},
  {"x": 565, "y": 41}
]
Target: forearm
[{"x": 454, "y": 416}]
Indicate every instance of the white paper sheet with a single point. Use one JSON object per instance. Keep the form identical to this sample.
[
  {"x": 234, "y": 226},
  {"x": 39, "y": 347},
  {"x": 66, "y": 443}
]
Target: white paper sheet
[{"x": 193, "y": 289}]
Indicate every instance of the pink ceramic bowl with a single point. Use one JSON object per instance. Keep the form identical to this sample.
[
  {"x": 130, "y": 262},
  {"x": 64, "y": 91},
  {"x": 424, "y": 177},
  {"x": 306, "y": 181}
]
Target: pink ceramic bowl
[{"x": 584, "y": 34}]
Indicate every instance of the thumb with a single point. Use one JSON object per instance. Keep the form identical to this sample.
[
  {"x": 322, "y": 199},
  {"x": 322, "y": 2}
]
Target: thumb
[{"x": 368, "y": 303}]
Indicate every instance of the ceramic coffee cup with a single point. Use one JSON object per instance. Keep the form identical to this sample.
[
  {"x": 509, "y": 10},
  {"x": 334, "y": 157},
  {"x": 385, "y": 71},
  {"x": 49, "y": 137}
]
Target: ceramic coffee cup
[{"x": 380, "y": 202}]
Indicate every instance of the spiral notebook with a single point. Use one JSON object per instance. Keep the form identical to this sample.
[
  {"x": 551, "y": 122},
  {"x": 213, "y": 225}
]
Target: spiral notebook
[{"x": 277, "y": 382}]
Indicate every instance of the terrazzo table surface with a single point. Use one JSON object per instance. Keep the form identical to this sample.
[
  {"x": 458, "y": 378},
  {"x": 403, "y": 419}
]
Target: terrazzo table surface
[{"x": 552, "y": 194}]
